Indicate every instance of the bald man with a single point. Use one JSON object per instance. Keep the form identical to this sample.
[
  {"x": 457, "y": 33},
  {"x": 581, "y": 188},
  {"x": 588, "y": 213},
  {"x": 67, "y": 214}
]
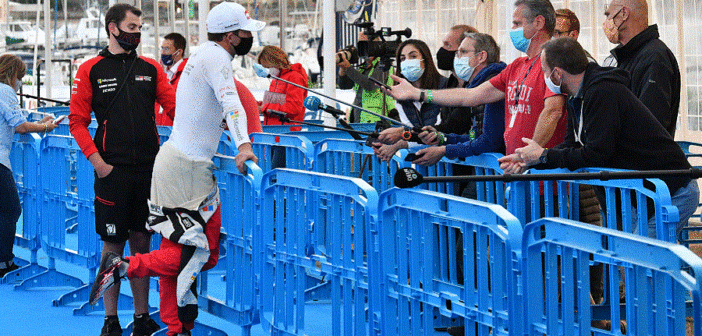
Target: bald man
[{"x": 655, "y": 76}]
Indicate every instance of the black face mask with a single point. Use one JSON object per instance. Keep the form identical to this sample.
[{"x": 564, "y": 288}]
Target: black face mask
[
  {"x": 244, "y": 45},
  {"x": 444, "y": 59},
  {"x": 128, "y": 41}
]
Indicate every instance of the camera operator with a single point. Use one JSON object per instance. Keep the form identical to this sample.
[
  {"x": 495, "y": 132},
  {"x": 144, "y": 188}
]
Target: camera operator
[{"x": 368, "y": 95}]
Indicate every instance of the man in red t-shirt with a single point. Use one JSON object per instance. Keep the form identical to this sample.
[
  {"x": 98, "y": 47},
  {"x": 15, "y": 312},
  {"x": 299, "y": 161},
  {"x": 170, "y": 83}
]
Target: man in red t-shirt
[{"x": 531, "y": 110}]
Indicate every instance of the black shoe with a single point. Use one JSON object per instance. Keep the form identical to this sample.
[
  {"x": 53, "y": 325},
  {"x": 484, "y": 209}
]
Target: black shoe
[
  {"x": 112, "y": 269},
  {"x": 144, "y": 326},
  {"x": 111, "y": 327},
  {"x": 8, "y": 269}
]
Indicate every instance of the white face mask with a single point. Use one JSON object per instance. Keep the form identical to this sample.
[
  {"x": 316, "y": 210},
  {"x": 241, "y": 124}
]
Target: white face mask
[
  {"x": 462, "y": 67},
  {"x": 274, "y": 71},
  {"x": 412, "y": 69},
  {"x": 18, "y": 85},
  {"x": 552, "y": 86}
]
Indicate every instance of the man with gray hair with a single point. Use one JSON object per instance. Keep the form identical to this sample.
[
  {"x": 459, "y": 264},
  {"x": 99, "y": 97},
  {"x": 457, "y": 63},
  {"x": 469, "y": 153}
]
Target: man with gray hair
[
  {"x": 655, "y": 77},
  {"x": 531, "y": 110}
]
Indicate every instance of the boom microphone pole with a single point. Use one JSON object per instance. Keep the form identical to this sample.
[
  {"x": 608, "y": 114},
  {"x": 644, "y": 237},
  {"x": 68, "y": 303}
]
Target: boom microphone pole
[
  {"x": 47, "y": 99},
  {"x": 263, "y": 72},
  {"x": 283, "y": 117},
  {"x": 409, "y": 177}
]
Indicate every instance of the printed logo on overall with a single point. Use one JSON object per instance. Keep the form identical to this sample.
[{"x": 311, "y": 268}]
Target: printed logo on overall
[
  {"x": 142, "y": 78},
  {"x": 111, "y": 229}
]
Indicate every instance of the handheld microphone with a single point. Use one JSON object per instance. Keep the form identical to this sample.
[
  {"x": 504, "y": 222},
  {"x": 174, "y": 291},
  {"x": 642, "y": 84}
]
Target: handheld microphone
[
  {"x": 277, "y": 114},
  {"x": 315, "y": 104}
]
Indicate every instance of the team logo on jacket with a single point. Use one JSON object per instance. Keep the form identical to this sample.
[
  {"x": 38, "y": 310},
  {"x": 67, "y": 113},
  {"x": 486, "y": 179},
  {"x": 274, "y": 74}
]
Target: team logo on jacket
[{"x": 142, "y": 78}]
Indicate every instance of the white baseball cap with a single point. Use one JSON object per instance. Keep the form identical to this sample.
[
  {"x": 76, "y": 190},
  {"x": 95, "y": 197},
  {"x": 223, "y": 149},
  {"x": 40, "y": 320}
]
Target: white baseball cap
[{"x": 230, "y": 16}]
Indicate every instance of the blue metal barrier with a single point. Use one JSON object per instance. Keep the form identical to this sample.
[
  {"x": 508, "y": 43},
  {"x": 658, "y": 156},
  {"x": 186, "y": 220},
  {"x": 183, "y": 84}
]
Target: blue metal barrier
[
  {"x": 67, "y": 195},
  {"x": 447, "y": 256},
  {"x": 556, "y": 259},
  {"x": 484, "y": 164},
  {"x": 317, "y": 136},
  {"x": 317, "y": 241},
  {"x": 561, "y": 199},
  {"x": 25, "y": 162},
  {"x": 354, "y": 159},
  {"x": 240, "y": 210},
  {"x": 298, "y": 151}
]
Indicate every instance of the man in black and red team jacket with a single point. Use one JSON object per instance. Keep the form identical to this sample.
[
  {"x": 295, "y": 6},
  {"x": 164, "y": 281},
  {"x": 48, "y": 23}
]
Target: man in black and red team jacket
[{"x": 121, "y": 88}]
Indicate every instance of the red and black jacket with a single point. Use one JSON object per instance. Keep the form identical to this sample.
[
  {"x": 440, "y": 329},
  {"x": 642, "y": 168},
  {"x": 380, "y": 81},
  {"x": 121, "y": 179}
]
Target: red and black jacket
[{"x": 126, "y": 133}]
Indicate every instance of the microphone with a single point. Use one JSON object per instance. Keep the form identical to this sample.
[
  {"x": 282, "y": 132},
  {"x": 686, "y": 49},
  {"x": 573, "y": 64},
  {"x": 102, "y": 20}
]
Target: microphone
[
  {"x": 407, "y": 178},
  {"x": 277, "y": 114},
  {"x": 315, "y": 104}
]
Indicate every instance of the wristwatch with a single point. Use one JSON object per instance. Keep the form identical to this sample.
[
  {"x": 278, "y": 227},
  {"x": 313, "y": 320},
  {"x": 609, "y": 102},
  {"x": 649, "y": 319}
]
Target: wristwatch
[
  {"x": 422, "y": 94},
  {"x": 544, "y": 156}
]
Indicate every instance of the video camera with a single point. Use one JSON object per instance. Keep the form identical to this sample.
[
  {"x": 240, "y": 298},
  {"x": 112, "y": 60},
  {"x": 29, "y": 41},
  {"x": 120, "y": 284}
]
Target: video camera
[{"x": 383, "y": 48}]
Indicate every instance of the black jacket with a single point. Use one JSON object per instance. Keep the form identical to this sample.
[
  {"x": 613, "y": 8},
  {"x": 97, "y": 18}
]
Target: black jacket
[
  {"x": 126, "y": 133},
  {"x": 459, "y": 119},
  {"x": 655, "y": 78},
  {"x": 618, "y": 130}
]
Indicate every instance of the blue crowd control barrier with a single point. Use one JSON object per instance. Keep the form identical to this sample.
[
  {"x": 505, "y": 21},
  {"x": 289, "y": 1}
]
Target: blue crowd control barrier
[
  {"x": 317, "y": 136},
  {"x": 67, "y": 196},
  {"x": 298, "y": 150},
  {"x": 448, "y": 256},
  {"x": 657, "y": 280},
  {"x": 627, "y": 198},
  {"x": 25, "y": 162},
  {"x": 363, "y": 127},
  {"x": 484, "y": 164},
  {"x": 239, "y": 208},
  {"x": 687, "y": 145},
  {"x": 55, "y": 110},
  {"x": 354, "y": 159},
  {"x": 317, "y": 242}
]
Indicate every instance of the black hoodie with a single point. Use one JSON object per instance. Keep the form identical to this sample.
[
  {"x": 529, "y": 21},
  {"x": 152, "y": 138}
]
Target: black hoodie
[{"x": 618, "y": 130}]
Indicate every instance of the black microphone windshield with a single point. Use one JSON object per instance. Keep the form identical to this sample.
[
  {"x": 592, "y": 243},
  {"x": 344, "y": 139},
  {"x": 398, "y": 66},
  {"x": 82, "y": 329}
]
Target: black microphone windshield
[{"x": 407, "y": 178}]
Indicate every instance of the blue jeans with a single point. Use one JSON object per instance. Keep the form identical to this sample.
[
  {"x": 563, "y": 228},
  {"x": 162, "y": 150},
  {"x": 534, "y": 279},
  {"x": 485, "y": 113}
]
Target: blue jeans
[
  {"x": 686, "y": 199},
  {"x": 10, "y": 211}
]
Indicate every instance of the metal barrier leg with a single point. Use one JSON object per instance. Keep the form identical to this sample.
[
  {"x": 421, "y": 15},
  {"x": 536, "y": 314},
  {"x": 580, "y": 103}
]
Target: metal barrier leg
[{"x": 49, "y": 278}]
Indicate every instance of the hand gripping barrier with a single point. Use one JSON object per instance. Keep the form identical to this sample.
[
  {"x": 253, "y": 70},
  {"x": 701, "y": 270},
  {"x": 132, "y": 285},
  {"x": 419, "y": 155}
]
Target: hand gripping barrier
[
  {"x": 354, "y": 159},
  {"x": 236, "y": 301},
  {"x": 281, "y": 151},
  {"x": 658, "y": 276},
  {"x": 446, "y": 256},
  {"x": 317, "y": 242},
  {"x": 25, "y": 162}
]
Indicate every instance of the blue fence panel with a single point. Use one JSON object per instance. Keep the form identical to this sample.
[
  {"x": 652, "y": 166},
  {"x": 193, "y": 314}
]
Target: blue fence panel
[
  {"x": 25, "y": 161},
  {"x": 484, "y": 164},
  {"x": 317, "y": 239},
  {"x": 447, "y": 256},
  {"x": 239, "y": 209},
  {"x": 625, "y": 205},
  {"x": 354, "y": 159},
  {"x": 317, "y": 136},
  {"x": 656, "y": 280},
  {"x": 298, "y": 151}
]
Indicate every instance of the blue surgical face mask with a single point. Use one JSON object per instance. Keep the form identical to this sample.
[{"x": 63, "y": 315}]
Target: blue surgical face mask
[
  {"x": 167, "y": 60},
  {"x": 518, "y": 40},
  {"x": 551, "y": 85},
  {"x": 462, "y": 67},
  {"x": 412, "y": 69},
  {"x": 18, "y": 85}
]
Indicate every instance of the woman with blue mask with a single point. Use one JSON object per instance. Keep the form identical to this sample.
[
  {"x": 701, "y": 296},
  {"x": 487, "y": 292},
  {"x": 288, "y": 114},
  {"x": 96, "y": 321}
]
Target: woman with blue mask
[
  {"x": 415, "y": 63},
  {"x": 12, "y": 121}
]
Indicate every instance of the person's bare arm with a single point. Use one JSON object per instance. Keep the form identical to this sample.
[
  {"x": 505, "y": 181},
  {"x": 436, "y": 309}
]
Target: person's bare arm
[
  {"x": 483, "y": 94},
  {"x": 548, "y": 119}
]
